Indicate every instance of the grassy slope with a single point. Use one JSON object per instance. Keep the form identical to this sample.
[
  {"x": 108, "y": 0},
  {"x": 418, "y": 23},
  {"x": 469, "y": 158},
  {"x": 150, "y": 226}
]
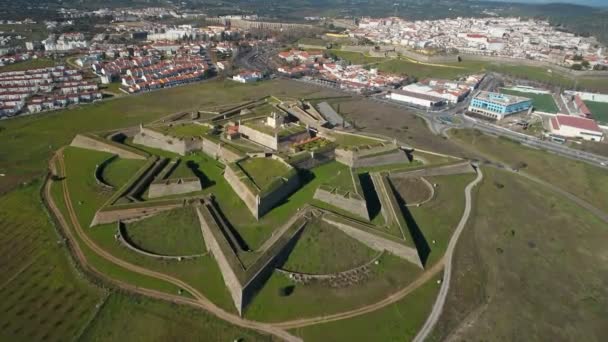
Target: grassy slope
[
  {"x": 323, "y": 249},
  {"x": 134, "y": 318},
  {"x": 118, "y": 172},
  {"x": 175, "y": 232},
  {"x": 263, "y": 170},
  {"x": 397, "y": 322},
  {"x": 585, "y": 181},
  {"x": 41, "y": 295},
  {"x": 29, "y": 64},
  {"x": 533, "y": 262},
  {"x": 28, "y": 142},
  {"x": 315, "y": 299}
]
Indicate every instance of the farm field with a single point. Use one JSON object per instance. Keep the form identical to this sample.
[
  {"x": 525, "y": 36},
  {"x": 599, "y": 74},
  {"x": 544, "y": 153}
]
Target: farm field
[
  {"x": 315, "y": 299},
  {"x": 42, "y": 295},
  {"x": 323, "y": 249},
  {"x": 175, "y": 232},
  {"x": 541, "y": 102},
  {"x": 599, "y": 111},
  {"x": 508, "y": 268},
  {"x": 134, "y": 318},
  {"x": 585, "y": 181}
]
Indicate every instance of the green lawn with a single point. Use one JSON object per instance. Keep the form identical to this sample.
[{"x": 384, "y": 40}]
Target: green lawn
[
  {"x": 599, "y": 111},
  {"x": 399, "y": 321},
  {"x": 323, "y": 249},
  {"x": 541, "y": 102},
  {"x": 314, "y": 299},
  {"x": 120, "y": 170},
  {"x": 42, "y": 296},
  {"x": 187, "y": 130},
  {"x": 135, "y": 318},
  {"x": 181, "y": 170},
  {"x": 523, "y": 246},
  {"x": 263, "y": 171},
  {"x": 175, "y": 232},
  {"x": 343, "y": 179}
]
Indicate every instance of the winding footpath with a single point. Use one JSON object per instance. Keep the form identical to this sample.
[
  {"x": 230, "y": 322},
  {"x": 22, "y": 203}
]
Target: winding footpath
[
  {"x": 447, "y": 273},
  {"x": 199, "y": 299}
]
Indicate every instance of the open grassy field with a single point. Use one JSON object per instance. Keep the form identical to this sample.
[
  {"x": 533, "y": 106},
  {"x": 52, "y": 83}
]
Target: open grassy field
[
  {"x": 323, "y": 249},
  {"x": 599, "y": 111},
  {"x": 135, "y": 318},
  {"x": 313, "y": 299},
  {"x": 29, "y": 141},
  {"x": 541, "y": 102},
  {"x": 175, "y": 232},
  {"x": 42, "y": 297},
  {"x": 530, "y": 266},
  {"x": 354, "y": 57},
  {"x": 420, "y": 71},
  {"x": 583, "y": 180},
  {"x": 343, "y": 179},
  {"x": 263, "y": 171},
  {"x": 397, "y": 322},
  {"x": 29, "y": 64},
  {"x": 119, "y": 170}
]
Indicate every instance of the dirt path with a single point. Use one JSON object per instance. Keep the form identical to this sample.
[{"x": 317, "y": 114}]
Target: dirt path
[
  {"x": 447, "y": 274},
  {"x": 395, "y": 297},
  {"x": 200, "y": 300}
]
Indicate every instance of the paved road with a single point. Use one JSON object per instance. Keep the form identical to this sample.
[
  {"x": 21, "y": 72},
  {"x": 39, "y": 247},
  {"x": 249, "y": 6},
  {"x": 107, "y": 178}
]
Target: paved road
[
  {"x": 199, "y": 299},
  {"x": 447, "y": 273}
]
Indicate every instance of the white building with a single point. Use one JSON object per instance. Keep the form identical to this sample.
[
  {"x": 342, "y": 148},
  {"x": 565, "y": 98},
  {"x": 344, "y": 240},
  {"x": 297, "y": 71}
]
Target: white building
[
  {"x": 576, "y": 127},
  {"x": 247, "y": 76},
  {"x": 417, "y": 99}
]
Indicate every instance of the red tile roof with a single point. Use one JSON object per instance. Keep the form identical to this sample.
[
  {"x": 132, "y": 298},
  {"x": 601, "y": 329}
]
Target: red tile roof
[{"x": 577, "y": 122}]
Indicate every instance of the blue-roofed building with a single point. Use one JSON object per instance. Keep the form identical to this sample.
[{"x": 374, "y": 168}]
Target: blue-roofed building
[{"x": 497, "y": 106}]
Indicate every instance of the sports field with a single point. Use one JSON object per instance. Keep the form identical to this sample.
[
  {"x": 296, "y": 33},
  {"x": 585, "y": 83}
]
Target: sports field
[
  {"x": 541, "y": 102},
  {"x": 599, "y": 111}
]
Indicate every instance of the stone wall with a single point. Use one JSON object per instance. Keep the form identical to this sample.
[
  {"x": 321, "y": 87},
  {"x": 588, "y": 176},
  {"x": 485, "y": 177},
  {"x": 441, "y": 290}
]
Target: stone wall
[
  {"x": 260, "y": 205},
  {"x": 245, "y": 194},
  {"x": 120, "y": 214},
  {"x": 357, "y": 206},
  {"x": 228, "y": 274},
  {"x": 261, "y": 138},
  {"x": 152, "y": 138},
  {"x": 367, "y": 158},
  {"x": 314, "y": 159},
  {"x": 378, "y": 243},
  {"x": 86, "y": 142},
  {"x": 174, "y": 187},
  {"x": 389, "y": 207}
]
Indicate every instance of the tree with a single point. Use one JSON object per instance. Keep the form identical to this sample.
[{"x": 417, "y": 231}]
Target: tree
[
  {"x": 577, "y": 67},
  {"x": 585, "y": 64}
]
